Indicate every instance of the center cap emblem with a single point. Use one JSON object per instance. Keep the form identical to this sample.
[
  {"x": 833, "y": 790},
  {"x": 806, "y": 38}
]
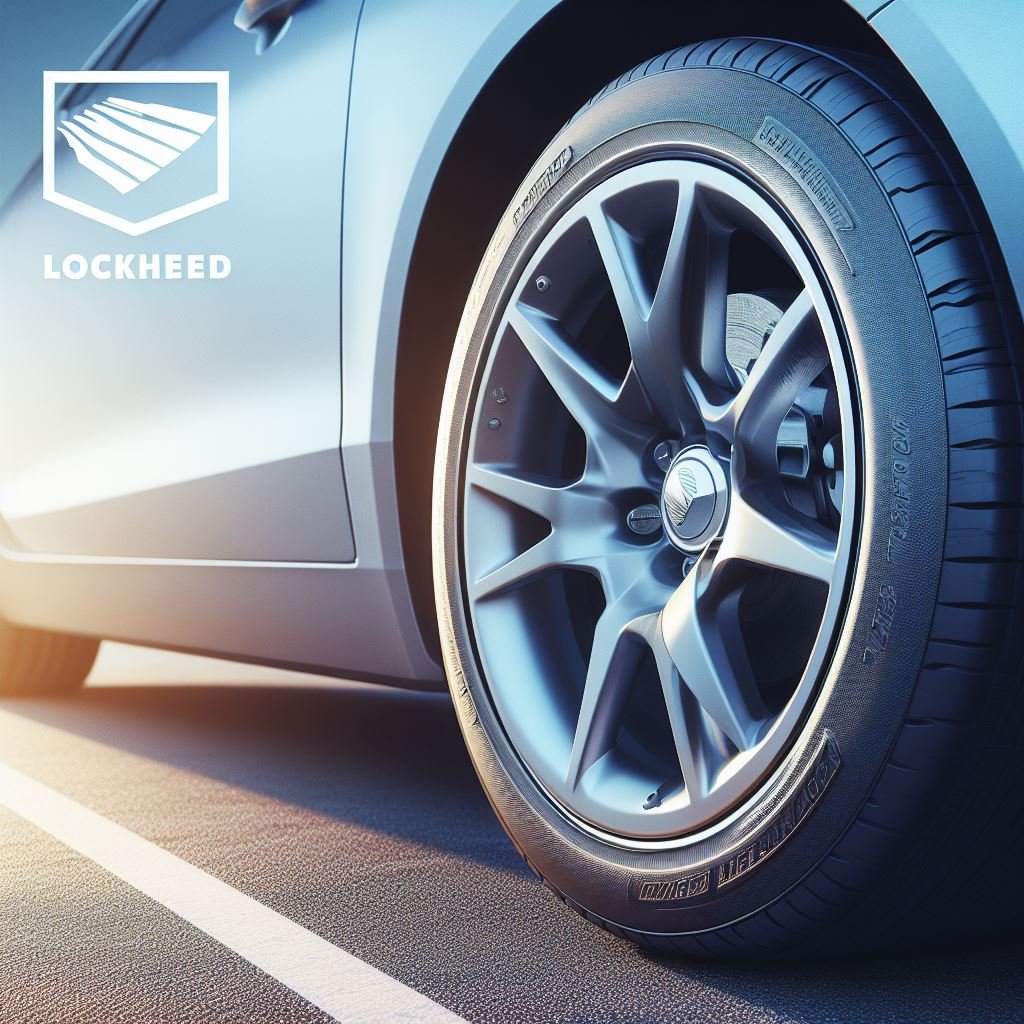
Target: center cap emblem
[
  {"x": 679, "y": 493},
  {"x": 694, "y": 499}
]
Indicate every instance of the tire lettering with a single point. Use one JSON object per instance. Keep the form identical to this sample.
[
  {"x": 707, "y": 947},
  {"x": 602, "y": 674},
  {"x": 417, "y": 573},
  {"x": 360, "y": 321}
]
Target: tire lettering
[
  {"x": 794, "y": 154},
  {"x": 768, "y": 840}
]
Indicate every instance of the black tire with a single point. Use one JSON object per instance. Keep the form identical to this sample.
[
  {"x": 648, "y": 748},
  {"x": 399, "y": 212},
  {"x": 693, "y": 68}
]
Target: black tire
[
  {"x": 920, "y": 826},
  {"x": 34, "y": 662}
]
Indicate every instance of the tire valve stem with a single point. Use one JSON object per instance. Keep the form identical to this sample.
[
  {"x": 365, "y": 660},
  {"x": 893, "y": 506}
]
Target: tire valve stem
[
  {"x": 500, "y": 395},
  {"x": 494, "y": 423},
  {"x": 654, "y": 800},
  {"x": 543, "y": 283}
]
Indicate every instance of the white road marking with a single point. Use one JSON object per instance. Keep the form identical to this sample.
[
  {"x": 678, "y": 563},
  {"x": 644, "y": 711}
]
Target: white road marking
[{"x": 337, "y": 982}]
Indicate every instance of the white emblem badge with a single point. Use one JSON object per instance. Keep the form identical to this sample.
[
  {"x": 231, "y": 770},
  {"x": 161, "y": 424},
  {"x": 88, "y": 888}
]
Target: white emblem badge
[{"x": 143, "y": 150}]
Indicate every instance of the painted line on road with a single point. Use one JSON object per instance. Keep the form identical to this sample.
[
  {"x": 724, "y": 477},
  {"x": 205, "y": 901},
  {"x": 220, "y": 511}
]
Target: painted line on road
[{"x": 336, "y": 981}]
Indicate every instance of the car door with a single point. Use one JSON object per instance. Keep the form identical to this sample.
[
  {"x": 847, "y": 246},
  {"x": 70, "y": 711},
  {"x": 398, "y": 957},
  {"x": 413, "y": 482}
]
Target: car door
[{"x": 187, "y": 417}]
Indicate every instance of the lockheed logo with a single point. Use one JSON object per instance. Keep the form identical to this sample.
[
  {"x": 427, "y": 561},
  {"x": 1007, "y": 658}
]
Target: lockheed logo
[
  {"x": 135, "y": 150},
  {"x": 680, "y": 490},
  {"x": 125, "y": 143}
]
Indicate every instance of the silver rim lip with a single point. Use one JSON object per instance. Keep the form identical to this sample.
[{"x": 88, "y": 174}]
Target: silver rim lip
[{"x": 739, "y": 788}]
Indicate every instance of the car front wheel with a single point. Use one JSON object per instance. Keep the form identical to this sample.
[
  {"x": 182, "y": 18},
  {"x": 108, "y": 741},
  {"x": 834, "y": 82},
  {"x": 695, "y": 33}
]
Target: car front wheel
[{"x": 727, "y": 510}]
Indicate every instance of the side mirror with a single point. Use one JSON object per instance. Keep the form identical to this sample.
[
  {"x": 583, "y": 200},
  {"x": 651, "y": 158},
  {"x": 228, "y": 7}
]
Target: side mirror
[{"x": 268, "y": 19}]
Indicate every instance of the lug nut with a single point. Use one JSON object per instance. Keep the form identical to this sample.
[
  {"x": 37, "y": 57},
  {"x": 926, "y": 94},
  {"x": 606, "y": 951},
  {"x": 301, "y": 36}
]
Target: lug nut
[
  {"x": 644, "y": 520},
  {"x": 665, "y": 453}
]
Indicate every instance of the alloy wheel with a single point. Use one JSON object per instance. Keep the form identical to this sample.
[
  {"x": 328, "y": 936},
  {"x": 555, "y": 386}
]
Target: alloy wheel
[{"x": 658, "y": 516}]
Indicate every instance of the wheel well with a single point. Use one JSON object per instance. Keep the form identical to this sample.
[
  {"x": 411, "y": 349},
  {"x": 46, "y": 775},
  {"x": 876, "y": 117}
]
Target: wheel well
[{"x": 564, "y": 60}]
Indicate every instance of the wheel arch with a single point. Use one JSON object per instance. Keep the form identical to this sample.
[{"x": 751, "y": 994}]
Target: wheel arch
[{"x": 541, "y": 82}]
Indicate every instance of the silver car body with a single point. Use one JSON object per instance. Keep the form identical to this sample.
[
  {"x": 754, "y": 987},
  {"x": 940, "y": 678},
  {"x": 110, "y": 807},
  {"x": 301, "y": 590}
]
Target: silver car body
[{"x": 170, "y": 468}]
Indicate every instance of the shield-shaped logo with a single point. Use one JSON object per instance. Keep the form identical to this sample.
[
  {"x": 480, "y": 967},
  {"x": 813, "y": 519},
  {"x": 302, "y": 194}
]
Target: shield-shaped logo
[{"x": 135, "y": 150}]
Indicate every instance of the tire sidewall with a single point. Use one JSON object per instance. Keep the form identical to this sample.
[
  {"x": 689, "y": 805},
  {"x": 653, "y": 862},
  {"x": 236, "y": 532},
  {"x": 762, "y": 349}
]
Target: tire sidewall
[{"x": 893, "y": 364}]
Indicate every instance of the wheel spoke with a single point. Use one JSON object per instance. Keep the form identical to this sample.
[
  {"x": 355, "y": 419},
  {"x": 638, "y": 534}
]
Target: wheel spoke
[
  {"x": 544, "y": 556},
  {"x": 563, "y": 548},
  {"x": 721, "y": 684},
  {"x": 686, "y": 733},
  {"x": 774, "y": 535},
  {"x": 558, "y": 504},
  {"x": 791, "y": 358},
  {"x": 622, "y": 258},
  {"x": 701, "y": 263},
  {"x": 610, "y": 672},
  {"x": 650, "y": 314},
  {"x": 587, "y": 393}
]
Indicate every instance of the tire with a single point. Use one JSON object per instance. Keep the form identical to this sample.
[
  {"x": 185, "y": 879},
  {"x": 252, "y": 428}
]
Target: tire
[
  {"x": 35, "y": 662},
  {"x": 885, "y": 810}
]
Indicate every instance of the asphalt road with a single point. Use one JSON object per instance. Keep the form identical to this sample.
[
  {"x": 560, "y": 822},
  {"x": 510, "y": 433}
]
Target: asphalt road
[{"x": 354, "y": 813}]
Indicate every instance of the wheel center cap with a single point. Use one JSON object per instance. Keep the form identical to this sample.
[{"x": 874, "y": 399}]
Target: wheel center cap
[{"x": 694, "y": 499}]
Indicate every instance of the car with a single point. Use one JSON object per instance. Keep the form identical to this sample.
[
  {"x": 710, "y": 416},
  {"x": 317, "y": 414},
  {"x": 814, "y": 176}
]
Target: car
[{"x": 647, "y": 374}]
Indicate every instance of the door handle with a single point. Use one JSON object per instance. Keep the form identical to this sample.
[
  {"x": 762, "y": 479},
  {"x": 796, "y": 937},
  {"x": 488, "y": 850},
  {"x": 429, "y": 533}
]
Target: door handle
[{"x": 267, "y": 19}]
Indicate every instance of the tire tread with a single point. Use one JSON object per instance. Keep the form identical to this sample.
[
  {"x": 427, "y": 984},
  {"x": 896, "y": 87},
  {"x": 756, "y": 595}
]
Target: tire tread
[{"x": 966, "y": 702}]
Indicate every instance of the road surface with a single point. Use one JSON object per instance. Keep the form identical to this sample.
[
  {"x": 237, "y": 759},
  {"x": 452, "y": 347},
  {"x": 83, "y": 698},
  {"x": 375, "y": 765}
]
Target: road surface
[{"x": 348, "y": 814}]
